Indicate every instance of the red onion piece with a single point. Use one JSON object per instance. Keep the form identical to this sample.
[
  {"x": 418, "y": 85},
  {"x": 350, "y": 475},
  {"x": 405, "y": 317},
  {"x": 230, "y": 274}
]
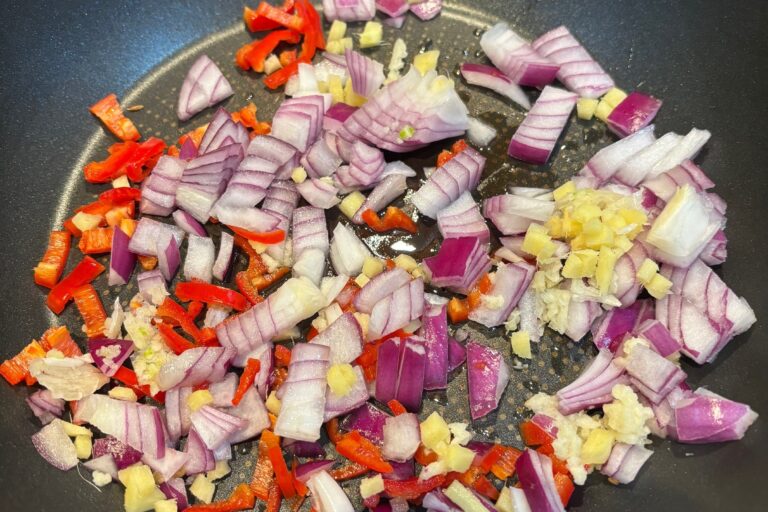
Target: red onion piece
[
  {"x": 188, "y": 223},
  {"x": 436, "y": 113},
  {"x": 305, "y": 471},
  {"x": 578, "y": 70},
  {"x": 651, "y": 374},
  {"x": 223, "y": 390},
  {"x": 250, "y": 219},
  {"x": 198, "y": 263},
  {"x": 537, "y": 135},
  {"x": 318, "y": 193},
  {"x": 349, "y": 10},
  {"x": 276, "y": 151},
  {"x": 534, "y": 472},
  {"x": 203, "y": 87},
  {"x": 686, "y": 149},
  {"x": 366, "y": 74},
  {"x": 459, "y": 263},
  {"x": 396, "y": 22},
  {"x": 716, "y": 250},
  {"x": 462, "y": 218},
  {"x": 493, "y": 79},
  {"x": 177, "y": 412},
  {"x": 169, "y": 465},
  {"x": 320, "y": 160},
  {"x": 447, "y": 183},
  {"x": 606, "y": 162},
  {"x": 188, "y": 149},
  {"x": 368, "y": 420},
  {"x": 705, "y": 417},
  {"x": 401, "y": 437},
  {"x": 515, "y": 57},
  {"x": 139, "y": 426},
  {"x": 439, "y": 502},
  {"x": 457, "y": 354},
  {"x": 121, "y": 259},
  {"x": 581, "y": 315},
  {"x": 310, "y": 450},
  {"x": 45, "y": 407},
  {"x": 393, "y": 8},
  {"x": 366, "y": 164},
  {"x": 222, "y": 131},
  {"x": 397, "y": 310},
  {"x": 398, "y": 167},
  {"x": 327, "y": 495},
  {"x": 400, "y": 372},
  {"x": 339, "y": 112},
  {"x": 152, "y": 286},
  {"x": 303, "y": 400},
  {"x": 224, "y": 258},
  {"x": 356, "y": 396},
  {"x": 109, "y": 354},
  {"x": 389, "y": 188},
  {"x": 625, "y": 462},
  {"x": 434, "y": 330},
  {"x": 628, "y": 286},
  {"x": 199, "y": 457},
  {"x": 487, "y": 376},
  {"x": 252, "y": 410},
  {"x": 665, "y": 185},
  {"x": 380, "y": 287},
  {"x": 280, "y": 202},
  {"x": 194, "y": 366},
  {"x": 148, "y": 232},
  {"x": 401, "y": 470},
  {"x": 54, "y": 445},
  {"x": 427, "y": 10},
  {"x": 639, "y": 166},
  {"x": 584, "y": 393},
  {"x": 249, "y": 183},
  {"x": 659, "y": 337},
  {"x": 511, "y": 282},
  {"x": 513, "y": 214},
  {"x": 168, "y": 257},
  {"x": 636, "y": 111},
  {"x": 105, "y": 464},
  {"x": 610, "y": 331},
  {"x": 310, "y": 243},
  {"x": 298, "y": 121},
  {"x": 121, "y": 453},
  {"x": 174, "y": 489},
  {"x": 158, "y": 191},
  {"x": 215, "y": 426},
  {"x": 479, "y": 133},
  {"x": 343, "y": 337}
]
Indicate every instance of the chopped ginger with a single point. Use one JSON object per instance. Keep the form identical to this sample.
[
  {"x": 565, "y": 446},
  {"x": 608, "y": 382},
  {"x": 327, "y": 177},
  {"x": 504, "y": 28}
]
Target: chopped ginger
[
  {"x": 659, "y": 286},
  {"x": 521, "y": 344},
  {"x": 199, "y": 398},
  {"x": 426, "y": 62},
  {"x": 372, "y": 34},
  {"x": 341, "y": 378},
  {"x": 337, "y": 31},
  {"x": 586, "y": 107},
  {"x": 597, "y": 448},
  {"x": 350, "y": 204}
]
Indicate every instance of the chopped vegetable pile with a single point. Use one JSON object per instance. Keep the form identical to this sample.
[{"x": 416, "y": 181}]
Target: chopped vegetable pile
[{"x": 291, "y": 351}]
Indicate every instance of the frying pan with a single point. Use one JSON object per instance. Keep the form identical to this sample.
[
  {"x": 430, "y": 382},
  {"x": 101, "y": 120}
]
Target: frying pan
[{"x": 706, "y": 62}]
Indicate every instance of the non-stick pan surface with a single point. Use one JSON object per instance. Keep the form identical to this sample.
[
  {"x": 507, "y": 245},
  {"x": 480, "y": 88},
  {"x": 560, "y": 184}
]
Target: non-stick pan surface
[{"x": 704, "y": 59}]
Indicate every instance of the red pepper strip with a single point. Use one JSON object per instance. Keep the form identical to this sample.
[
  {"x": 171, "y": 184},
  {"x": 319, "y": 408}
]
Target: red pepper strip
[
  {"x": 413, "y": 487},
  {"x": 282, "y": 356},
  {"x": 128, "y": 377},
  {"x": 147, "y": 262},
  {"x": 85, "y": 272},
  {"x": 505, "y": 467},
  {"x": 332, "y": 429},
  {"x": 91, "y": 309},
  {"x": 96, "y": 241},
  {"x": 256, "y": 23},
  {"x": 49, "y": 270},
  {"x": 348, "y": 471},
  {"x": 313, "y": 20},
  {"x": 247, "y": 117},
  {"x": 109, "y": 112},
  {"x": 242, "y": 498},
  {"x": 396, "y": 407},
  {"x": 172, "y": 313},
  {"x": 558, "y": 465},
  {"x": 253, "y": 54},
  {"x": 490, "y": 458},
  {"x": 173, "y": 340},
  {"x": 483, "y": 287},
  {"x": 458, "y": 310},
  {"x": 58, "y": 338},
  {"x": 278, "y": 377},
  {"x": 446, "y": 155},
  {"x": 546, "y": 449},
  {"x": 311, "y": 333},
  {"x": 125, "y": 158},
  {"x": 534, "y": 435},
  {"x": 475, "y": 478},
  {"x": 394, "y": 218},
  {"x": 246, "y": 287},
  {"x": 358, "y": 449},
  {"x": 346, "y": 296},
  {"x": 424, "y": 456},
  {"x": 274, "y": 500},
  {"x": 210, "y": 294},
  {"x": 16, "y": 369},
  {"x": 262, "y": 473},
  {"x": 252, "y": 367},
  {"x": 71, "y": 228},
  {"x": 282, "y": 475},
  {"x": 565, "y": 487},
  {"x": 194, "y": 309},
  {"x": 368, "y": 359},
  {"x": 268, "y": 238},
  {"x": 95, "y": 208},
  {"x": 118, "y": 214},
  {"x": 196, "y": 135},
  {"x": 301, "y": 489},
  {"x": 281, "y": 17},
  {"x": 120, "y": 195},
  {"x": 281, "y": 76}
]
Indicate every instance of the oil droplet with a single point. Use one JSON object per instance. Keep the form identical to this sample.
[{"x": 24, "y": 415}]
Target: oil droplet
[
  {"x": 478, "y": 32},
  {"x": 532, "y": 386},
  {"x": 479, "y": 53},
  {"x": 465, "y": 52},
  {"x": 426, "y": 46}
]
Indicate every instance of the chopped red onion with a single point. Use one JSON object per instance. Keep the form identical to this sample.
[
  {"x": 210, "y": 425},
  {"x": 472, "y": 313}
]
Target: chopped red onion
[
  {"x": 349, "y": 10},
  {"x": 665, "y": 185},
  {"x": 105, "y": 464},
  {"x": 188, "y": 223},
  {"x": 716, "y": 250},
  {"x": 382, "y": 195},
  {"x": 628, "y": 287},
  {"x": 54, "y": 445},
  {"x": 320, "y": 160},
  {"x": 168, "y": 257},
  {"x": 309, "y": 450},
  {"x": 510, "y": 282},
  {"x": 252, "y": 410},
  {"x": 368, "y": 420},
  {"x": 199, "y": 457},
  {"x": 276, "y": 151},
  {"x": 479, "y": 133},
  {"x": 194, "y": 366},
  {"x": 493, "y": 79},
  {"x": 653, "y": 375},
  {"x": 169, "y": 465},
  {"x": 250, "y": 219},
  {"x": 139, "y": 426},
  {"x": 457, "y": 354},
  {"x": 427, "y": 9},
  {"x": 606, "y": 162},
  {"x": 203, "y": 87},
  {"x": 534, "y": 471},
  {"x": 636, "y": 111},
  {"x": 578, "y": 70},
  {"x": 397, "y": 310},
  {"x": 393, "y": 8},
  {"x": 298, "y": 121},
  {"x": 45, "y": 407},
  {"x": 121, "y": 259},
  {"x": 158, "y": 191},
  {"x": 401, "y": 437},
  {"x": 414, "y": 100},
  {"x": 515, "y": 57},
  {"x": 513, "y": 214},
  {"x": 625, "y": 462},
  {"x": 303, "y": 399},
  {"x": 380, "y": 287},
  {"x": 318, "y": 193},
  {"x": 198, "y": 263},
  {"x": 249, "y": 184},
  {"x": 462, "y": 218},
  {"x": 396, "y": 22},
  {"x": 224, "y": 258},
  {"x": 174, "y": 489},
  {"x": 659, "y": 337},
  {"x": 459, "y": 263},
  {"x": 188, "y": 149},
  {"x": 215, "y": 426},
  {"x": 366, "y": 74},
  {"x": 222, "y": 131},
  {"x": 109, "y": 354},
  {"x": 438, "y": 502},
  {"x": 705, "y": 417},
  {"x": 148, "y": 232},
  {"x": 635, "y": 169},
  {"x": 365, "y": 167},
  {"x": 152, "y": 286},
  {"x": 400, "y": 372},
  {"x": 593, "y": 387},
  {"x": 398, "y": 167},
  {"x": 487, "y": 376},
  {"x": 537, "y": 135},
  {"x": 327, "y": 495},
  {"x": 310, "y": 243},
  {"x": 177, "y": 412},
  {"x": 581, "y": 315},
  {"x": 357, "y": 395},
  {"x": 223, "y": 390},
  {"x": 447, "y": 183},
  {"x": 343, "y": 337},
  {"x": 434, "y": 330},
  {"x": 305, "y": 471},
  {"x": 610, "y": 331},
  {"x": 121, "y": 453},
  {"x": 338, "y": 113}
]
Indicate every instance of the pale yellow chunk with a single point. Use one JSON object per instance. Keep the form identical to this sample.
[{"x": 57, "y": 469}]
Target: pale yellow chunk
[
  {"x": 561, "y": 192},
  {"x": 406, "y": 262},
  {"x": 647, "y": 271},
  {"x": 83, "y": 447},
  {"x": 199, "y": 398},
  {"x": 459, "y": 458},
  {"x": 659, "y": 286},
  {"x": 586, "y": 107},
  {"x": 597, "y": 448},
  {"x": 299, "y": 175},
  {"x": 362, "y": 280},
  {"x": 273, "y": 403},
  {"x": 337, "y": 31},
  {"x": 202, "y": 489},
  {"x": 521, "y": 344},
  {"x": 614, "y": 97},
  {"x": 166, "y": 506},
  {"x": 221, "y": 470},
  {"x": 350, "y": 204},
  {"x": 141, "y": 493},
  {"x": 426, "y": 62},
  {"x": 434, "y": 430},
  {"x": 371, "y": 486},
  {"x": 341, "y": 378},
  {"x": 372, "y": 35},
  {"x": 336, "y": 88},
  {"x": 464, "y": 498},
  {"x": 373, "y": 266},
  {"x": 123, "y": 393}
]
